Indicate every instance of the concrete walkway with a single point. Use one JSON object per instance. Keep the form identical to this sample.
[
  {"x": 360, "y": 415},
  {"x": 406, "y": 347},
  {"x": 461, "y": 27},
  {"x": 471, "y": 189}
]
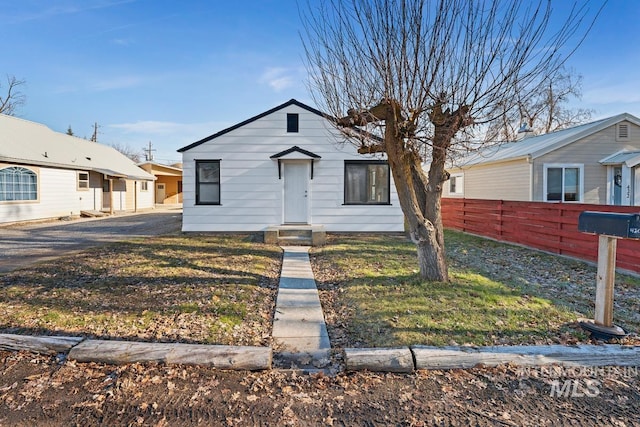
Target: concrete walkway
[{"x": 299, "y": 330}]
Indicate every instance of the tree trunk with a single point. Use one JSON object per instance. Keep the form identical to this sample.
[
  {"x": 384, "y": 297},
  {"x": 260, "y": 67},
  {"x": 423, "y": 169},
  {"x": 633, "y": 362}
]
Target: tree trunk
[
  {"x": 433, "y": 210},
  {"x": 423, "y": 232},
  {"x": 425, "y": 224}
]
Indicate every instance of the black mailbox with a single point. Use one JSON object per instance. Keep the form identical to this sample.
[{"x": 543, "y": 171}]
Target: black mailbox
[{"x": 625, "y": 225}]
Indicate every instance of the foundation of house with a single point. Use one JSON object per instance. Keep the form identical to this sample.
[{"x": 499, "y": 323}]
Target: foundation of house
[{"x": 295, "y": 235}]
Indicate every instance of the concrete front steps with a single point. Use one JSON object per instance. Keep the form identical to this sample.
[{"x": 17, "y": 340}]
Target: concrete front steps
[{"x": 295, "y": 235}]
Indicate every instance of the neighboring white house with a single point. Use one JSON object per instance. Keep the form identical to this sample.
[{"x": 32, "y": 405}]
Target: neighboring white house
[
  {"x": 597, "y": 163},
  {"x": 46, "y": 174},
  {"x": 288, "y": 165}
]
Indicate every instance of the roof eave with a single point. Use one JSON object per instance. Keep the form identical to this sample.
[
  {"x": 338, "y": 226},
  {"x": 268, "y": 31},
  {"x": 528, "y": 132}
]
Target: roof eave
[
  {"x": 114, "y": 174},
  {"x": 42, "y": 163},
  {"x": 526, "y": 157}
]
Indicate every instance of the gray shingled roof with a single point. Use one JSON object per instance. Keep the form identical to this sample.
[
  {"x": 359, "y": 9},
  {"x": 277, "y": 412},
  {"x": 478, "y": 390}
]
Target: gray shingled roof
[
  {"x": 540, "y": 145},
  {"x": 30, "y": 143}
]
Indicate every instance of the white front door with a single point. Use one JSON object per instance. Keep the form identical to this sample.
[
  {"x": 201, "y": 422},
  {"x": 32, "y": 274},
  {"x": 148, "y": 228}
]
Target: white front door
[
  {"x": 160, "y": 193},
  {"x": 296, "y": 192}
]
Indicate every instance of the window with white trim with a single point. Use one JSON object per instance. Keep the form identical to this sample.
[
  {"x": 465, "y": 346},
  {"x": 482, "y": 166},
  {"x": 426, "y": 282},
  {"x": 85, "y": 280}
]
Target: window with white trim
[
  {"x": 456, "y": 184},
  {"x": 144, "y": 185},
  {"x": 83, "y": 180},
  {"x": 563, "y": 182},
  {"x": 18, "y": 184},
  {"x": 366, "y": 182}
]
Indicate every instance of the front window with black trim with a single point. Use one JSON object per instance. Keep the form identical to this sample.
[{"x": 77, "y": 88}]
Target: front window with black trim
[
  {"x": 207, "y": 182},
  {"x": 366, "y": 182}
]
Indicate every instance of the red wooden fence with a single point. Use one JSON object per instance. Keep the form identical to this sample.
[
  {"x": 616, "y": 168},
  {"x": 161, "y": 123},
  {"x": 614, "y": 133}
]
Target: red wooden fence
[{"x": 552, "y": 227}]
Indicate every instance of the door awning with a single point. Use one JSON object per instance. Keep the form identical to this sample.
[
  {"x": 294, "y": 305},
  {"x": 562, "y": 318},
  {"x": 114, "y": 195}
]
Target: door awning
[
  {"x": 294, "y": 153},
  {"x": 629, "y": 158}
]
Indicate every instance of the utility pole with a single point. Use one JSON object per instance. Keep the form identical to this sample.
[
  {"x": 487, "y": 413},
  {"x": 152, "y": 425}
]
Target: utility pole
[
  {"x": 94, "y": 137},
  {"x": 148, "y": 153}
]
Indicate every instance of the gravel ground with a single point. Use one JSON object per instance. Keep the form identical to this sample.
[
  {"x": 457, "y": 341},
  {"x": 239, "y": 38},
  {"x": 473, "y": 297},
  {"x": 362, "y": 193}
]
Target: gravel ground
[{"x": 24, "y": 244}]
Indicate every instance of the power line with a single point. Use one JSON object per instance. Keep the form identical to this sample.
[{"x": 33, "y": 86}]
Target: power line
[
  {"x": 148, "y": 152},
  {"x": 94, "y": 137}
]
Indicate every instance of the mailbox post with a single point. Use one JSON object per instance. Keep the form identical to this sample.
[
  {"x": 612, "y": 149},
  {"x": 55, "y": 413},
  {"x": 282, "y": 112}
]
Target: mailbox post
[{"x": 609, "y": 227}]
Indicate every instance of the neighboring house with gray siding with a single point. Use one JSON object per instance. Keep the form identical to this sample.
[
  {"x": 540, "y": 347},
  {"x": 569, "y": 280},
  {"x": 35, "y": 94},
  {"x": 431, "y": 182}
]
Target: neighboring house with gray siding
[
  {"x": 597, "y": 163},
  {"x": 286, "y": 166},
  {"x": 46, "y": 174}
]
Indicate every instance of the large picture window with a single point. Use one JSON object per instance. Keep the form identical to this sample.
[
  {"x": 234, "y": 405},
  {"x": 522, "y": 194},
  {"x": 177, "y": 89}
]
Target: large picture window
[
  {"x": 207, "y": 182},
  {"x": 17, "y": 184},
  {"x": 366, "y": 183},
  {"x": 563, "y": 183}
]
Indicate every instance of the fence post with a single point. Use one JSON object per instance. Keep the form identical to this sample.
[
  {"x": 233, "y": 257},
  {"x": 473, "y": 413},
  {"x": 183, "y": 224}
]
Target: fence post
[
  {"x": 605, "y": 280},
  {"x": 500, "y": 202}
]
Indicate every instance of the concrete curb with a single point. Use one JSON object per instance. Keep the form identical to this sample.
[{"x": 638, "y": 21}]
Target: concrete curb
[
  {"x": 246, "y": 358},
  {"x": 218, "y": 356},
  {"x": 424, "y": 357},
  {"x": 379, "y": 359},
  {"x": 398, "y": 360}
]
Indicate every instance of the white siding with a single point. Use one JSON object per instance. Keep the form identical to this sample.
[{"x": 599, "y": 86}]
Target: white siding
[
  {"x": 91, "y": 198},
  {"x": 251, "y": 193},
  {"x": 145, "y": 198},
  {"x": 57, "y": 196},
  {"x": 136, "y": 199}
]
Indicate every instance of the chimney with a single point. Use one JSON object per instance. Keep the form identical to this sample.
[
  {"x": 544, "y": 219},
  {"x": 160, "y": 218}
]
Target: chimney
[{"x": 524, "y": 132}]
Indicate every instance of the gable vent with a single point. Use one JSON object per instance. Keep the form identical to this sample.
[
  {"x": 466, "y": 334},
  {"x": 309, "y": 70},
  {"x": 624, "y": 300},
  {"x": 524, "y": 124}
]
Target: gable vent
[{"x": 623, "y": 131}]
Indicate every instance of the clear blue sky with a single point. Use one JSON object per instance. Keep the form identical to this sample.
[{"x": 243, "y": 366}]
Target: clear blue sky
[{"x": 172, "y": 72}]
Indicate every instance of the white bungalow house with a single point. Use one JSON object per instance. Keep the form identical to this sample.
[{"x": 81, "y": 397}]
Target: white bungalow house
[
  {"x": 286, "y": 167},
  {"x": 595, "y": 163},
  {"x": 46, "y": 174}
]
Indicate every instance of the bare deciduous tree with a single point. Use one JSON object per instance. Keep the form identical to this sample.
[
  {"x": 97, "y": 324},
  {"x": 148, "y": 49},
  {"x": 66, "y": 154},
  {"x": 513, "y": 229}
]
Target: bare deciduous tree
[
  {"x": 131, "y": 153},
  {"x": 544, "y": 108},
  {"x": 11, "y": 98},
  {"x": 420, "y": 76}
]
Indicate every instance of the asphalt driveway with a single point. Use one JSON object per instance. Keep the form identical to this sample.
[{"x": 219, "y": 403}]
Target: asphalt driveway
[{"x": 26, "y": 244}]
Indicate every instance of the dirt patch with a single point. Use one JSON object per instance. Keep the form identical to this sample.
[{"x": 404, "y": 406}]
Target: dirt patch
[{"x": 37, "y": 390}]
